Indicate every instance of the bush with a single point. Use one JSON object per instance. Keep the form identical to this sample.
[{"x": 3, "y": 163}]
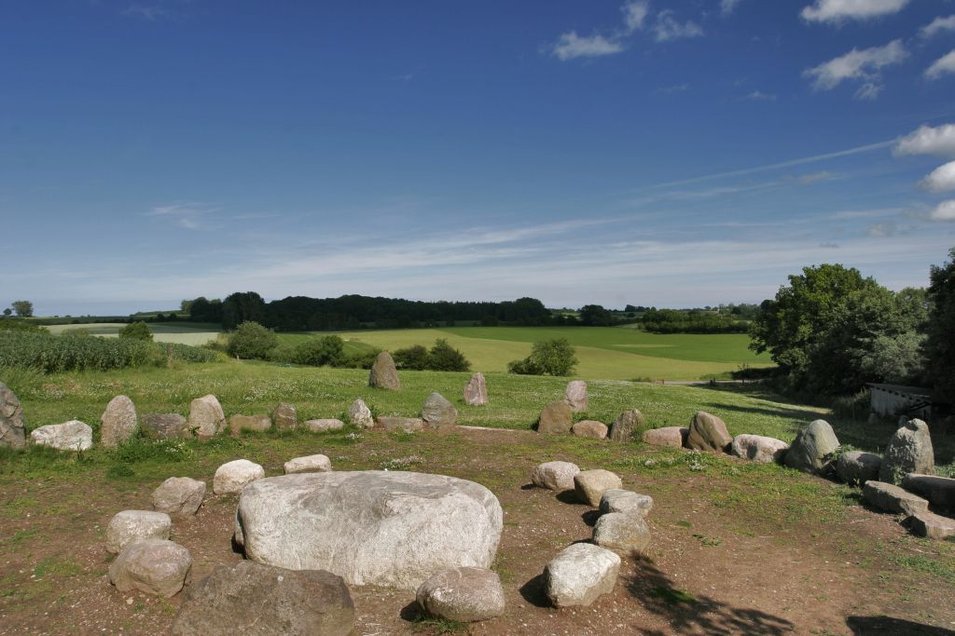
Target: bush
[
  {"x": 318, "y": 352},
  {"x": 252, "y": 341},
  {"x": 444, "y": 357},
  {"x": 414, "y": 358},
  {"x": 138, "y": 330},
  {"x": 548, "y": 357}
]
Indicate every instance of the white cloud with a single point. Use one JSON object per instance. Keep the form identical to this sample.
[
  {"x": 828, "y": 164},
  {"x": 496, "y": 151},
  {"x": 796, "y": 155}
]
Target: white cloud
[
  {"x": 185, "y": 215},
  {"x": 571, "y": 46},
  {"x": 146, "y": 12},
  {"x": 840, "y": 10},
  {"x": 942, "y": 66},
  {"x": 760, "y": 96},
  {"x": 942, "y": 179},
  {"x": 668, "y": 28},
  {"x": 938, "y": 25},
  {"x": 862, "y": 64},
  {"x": 634, "y": 14},
  {"x": 728, "y": 6},
  {"x": 928, "y": 141},
  {"x": 945, "y": 211}
]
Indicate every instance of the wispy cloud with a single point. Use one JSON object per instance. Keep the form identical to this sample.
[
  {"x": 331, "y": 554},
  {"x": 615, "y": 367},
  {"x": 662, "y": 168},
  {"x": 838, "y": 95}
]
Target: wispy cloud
[
  {"x": 944, "y": 65},
  {"x": 836, "y": 11},
  {"x": 148, "y": 12},
  {"x": 865, "y": 64},
  {"x": 938, "y": 25},
  {"x": 928, "y": 140},
  {"x": 635, "y": 14},
  {"x": 675, "y": 88},
  {"x": 667, "y": 28},
  {"x": 942, "y": 179},
  {"x": 944, "y": 211},
  {"x": 728, "y": 6},
  {"x": 187, "y": 215},
  {"x": 760, "y": 96},
  {"x": 571, "y": 46},
  {"x": 816, "y": 177}
]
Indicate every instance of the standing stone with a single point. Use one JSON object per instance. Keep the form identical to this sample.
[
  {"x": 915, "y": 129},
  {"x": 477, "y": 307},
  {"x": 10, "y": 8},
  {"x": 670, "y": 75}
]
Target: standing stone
[
  {"x": 130, "y": 526},
  {"x": 252, "y": 599},
  {"x": 909, "y": 451},
  {"x": 360, "y": 415},
  {"x": 576, "y": 395},
  {"x": 858, "y": 467},
  {"x": 154, "y": 566},
  {"x": 254, "y": 423},
  {"x": 580, "y": 574},
  {"x": 590, "y": 428},
  {"x": 179, "y": 496},
  {"x": 119, "y": 422},
  {"x": 556, "y": 417},
  {"x": 438, "y": 411},
  {"x": 557, "y": 476},
  {"x": 12, "y": 433},
  {"x": 383, "y": 374},
  {"x": 233, "y": 476},
  {"x": 475, "y": 392},
  {"x": 389, "y": 528},
  {"x": 285, "y": 417},
  {"x": 462, "y": 594},
  {"x": 708, "y": 433},
  {"x": 627, "y": 423},
  {"x": 668, "y": 436},
  {"x": 164, "y": 426},
  {"x": 592, "y": 484},
  {"x": 206, "y": 418},
  {"x": 69, "y": 436},
  {"x": 624, "y": 532},
  {"x": 813, "y": 447},
  {"x": 758, "y": 448},
  {"x": 324, "y": 425},
  {"x": 309, "y": 464}
]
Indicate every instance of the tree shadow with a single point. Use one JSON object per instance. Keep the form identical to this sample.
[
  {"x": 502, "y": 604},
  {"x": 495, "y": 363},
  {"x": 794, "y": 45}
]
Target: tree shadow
[
  {"x": 865, "y": 625},
  {"x": 685, "y": 612}
]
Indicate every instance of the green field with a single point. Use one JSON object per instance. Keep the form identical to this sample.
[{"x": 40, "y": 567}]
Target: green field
[{"x": 193, "y": 334}]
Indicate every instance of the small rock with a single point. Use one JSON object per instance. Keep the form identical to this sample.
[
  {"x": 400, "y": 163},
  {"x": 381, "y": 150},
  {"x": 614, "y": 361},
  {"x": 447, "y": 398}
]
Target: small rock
[
  {"x": 576, "y": 395},
  {"x": 308, "y": 464},
  {"x": 438, "y": 411},
  {"x": 592, "y": 484},
  {"x": 669, "y": 436},
  {"x": 557, "y": 476},
  {"x": 233, "y": 476},
  {"x": 475, "y": 392},
  {"x": 12, "y": 430},
  {"x": 462, "y": 594},
  {"x": 708, "y": 433},
  {"x": 253, "y": 599},
  {"x": 154, "y": 566},
  {"x": 130, "y": 526},
  {"x": 931, "y": 526},
  {"x": 324, "y": 425},
  {"x": 625, "y": 532},
  {"x": 206, "y": 418},
  {"x": 813, "y": 448},
  {"x": 383, "y": 373},
  {"x": 119, "y": 422},
  {"x": 285, "y": 417},
  {"x": 891, "y": 498},
  {"x": 179, "y": 496},
  {"x": 580, "y": 574},
  {"x": 556, "y": 417},
  {"x": 69, "y": 436},
  {"x": 909, "y": 451},
  {"x": 254, "y": 423},
  {"x": 758, "y": 448},
  {"x": 627, "y": 425},
  {"x": 164, "y": 426},
  {"x": 618, "y": 500},
  {"x": 858, "y": 467},
  {"x": 404, "y": 424},
  {"x": 360, "y": 415},
  {"x": 590, "y": 428}
]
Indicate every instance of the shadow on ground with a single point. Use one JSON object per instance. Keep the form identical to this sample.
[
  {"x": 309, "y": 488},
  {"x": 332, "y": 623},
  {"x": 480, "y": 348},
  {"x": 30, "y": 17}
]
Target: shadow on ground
[
  {"x": 687, "y": 613},
  {"x": 865, "y": 625}
]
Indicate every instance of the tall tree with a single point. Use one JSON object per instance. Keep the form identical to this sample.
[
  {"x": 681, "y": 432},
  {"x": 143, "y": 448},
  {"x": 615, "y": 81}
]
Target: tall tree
[
  {"x": 940, "y": 341},
  {"x": 23, "y": 308}
]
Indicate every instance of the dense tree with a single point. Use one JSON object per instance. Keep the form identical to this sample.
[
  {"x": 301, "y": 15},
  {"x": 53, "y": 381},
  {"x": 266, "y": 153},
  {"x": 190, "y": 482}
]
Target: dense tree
[
  {"x": 243, "y": 307},
  {"x": 23, "y": 308},
  {"x": 252, "y": 341},
  {"x": 318, "y": 352},
  {"x": 940, "y": 341},
  {"x": 414, "y": 358},
  {"x": 138, "y": 330},
  {"x": 595, "y": 316},
  {"x": 444, "y": 357},
  {"x": 548, "y": 357}
]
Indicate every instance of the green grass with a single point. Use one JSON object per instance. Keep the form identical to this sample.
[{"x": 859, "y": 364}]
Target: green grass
[{"x": 193, "y": 334}]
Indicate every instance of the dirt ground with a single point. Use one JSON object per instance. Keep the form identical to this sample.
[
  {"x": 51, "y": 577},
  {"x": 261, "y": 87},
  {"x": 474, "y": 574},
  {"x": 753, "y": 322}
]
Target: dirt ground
[{"x": 704, "y": 573}]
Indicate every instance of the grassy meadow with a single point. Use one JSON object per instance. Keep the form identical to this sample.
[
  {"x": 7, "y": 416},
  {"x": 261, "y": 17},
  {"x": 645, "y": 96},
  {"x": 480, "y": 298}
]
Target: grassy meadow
[{"x": 193, "y": 334}]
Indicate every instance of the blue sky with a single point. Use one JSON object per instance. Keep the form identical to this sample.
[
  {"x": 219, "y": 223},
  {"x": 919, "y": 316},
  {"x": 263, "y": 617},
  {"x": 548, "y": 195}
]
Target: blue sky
[{"x": 679, "y": 153}]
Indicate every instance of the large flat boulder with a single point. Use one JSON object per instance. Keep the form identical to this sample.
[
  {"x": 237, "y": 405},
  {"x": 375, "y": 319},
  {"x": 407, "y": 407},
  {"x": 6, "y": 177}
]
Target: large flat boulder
[
  {"x": 668, "y": 436},
  {"x": 252, "y": 599},
  {"x": 858, "y": 467},
  {"x": 891, "y": 498},
  {"x": 759, "y": 448},
  {"x": 389, "y": 528},
  {"x": 931, "y": 526},
  {"x": 940, "y": 491},
  {"x": 69, "y": 436},
  {"x": 557, "y": 476},
  {"x": 164, "y": 426}
]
